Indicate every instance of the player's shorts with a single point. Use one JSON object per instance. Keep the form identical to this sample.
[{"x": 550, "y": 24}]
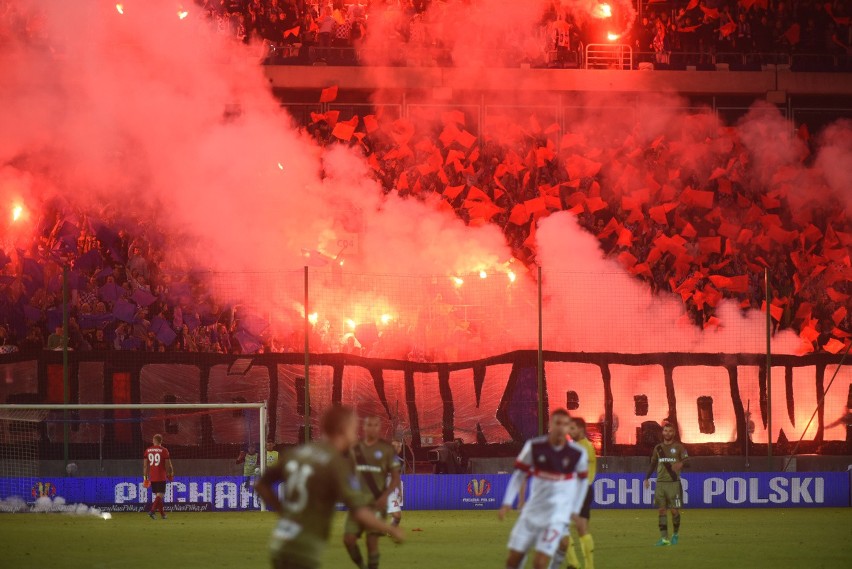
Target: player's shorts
[
  {"x": 291, "y": 548},
  {"x": 352, "y": 527},
  {"x": 668, "y": 495},
  {"x": 526, "y": 535},
  {"x": 586, "y": 510},
  {"x": 395, "y": 502},
  {"x": 158, "y": 487}
]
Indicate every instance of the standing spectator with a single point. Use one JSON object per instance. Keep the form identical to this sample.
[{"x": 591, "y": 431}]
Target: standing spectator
[
  {"x": 326, "y": 27},
  {"x": 271, "y": 454},
  {"x": 6, "y": 345},
  {"x": 54, "y": 341}
]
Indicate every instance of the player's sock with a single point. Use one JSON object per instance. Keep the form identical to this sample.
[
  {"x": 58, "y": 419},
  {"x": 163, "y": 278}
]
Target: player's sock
[
  {"x": 571, "y": 553},
  {"x": 587, "y": 544},
  {"x": 163, "y": 507},
  {"x": 373, "y": 561},
  {"x": 156, "y": 505},
  {"x": 676, "y": 522},
  {"x": 395, "y": 522},
  {"x": 355, "y": 555},
  {"x": 557, "y": 559},
  {"x": 664, "y": 526}
]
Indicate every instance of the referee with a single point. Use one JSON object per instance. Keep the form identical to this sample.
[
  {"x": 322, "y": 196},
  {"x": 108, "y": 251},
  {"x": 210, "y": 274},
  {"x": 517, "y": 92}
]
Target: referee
[{"x": 577, "y": 431}]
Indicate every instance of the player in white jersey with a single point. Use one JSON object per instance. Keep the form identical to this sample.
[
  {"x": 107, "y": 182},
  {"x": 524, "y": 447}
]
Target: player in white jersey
[
  {"x": 396, "y": 497},
  {"x": 559, "y": 471}
]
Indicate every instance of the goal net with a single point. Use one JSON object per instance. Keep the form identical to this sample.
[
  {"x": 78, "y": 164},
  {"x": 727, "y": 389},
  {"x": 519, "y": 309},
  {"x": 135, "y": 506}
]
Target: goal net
[{"x": 93, "y": 454}]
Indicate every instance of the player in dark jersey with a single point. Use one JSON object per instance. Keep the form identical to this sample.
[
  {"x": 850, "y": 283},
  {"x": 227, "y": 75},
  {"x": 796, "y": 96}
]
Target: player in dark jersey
[
  {"x": 379, "y": 473},
  {"x": 316, "y": 477},
  {"x": 668, "y": 459},
  {"x": 157, "y": 468}
]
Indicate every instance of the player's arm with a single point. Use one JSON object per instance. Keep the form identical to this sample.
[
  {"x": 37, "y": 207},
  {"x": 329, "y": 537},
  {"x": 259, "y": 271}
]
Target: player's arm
[
  {"x": 264, "y": 488},
  {"x": 651, "y": 468},
  {"x": 684, "y": 460},
  {"x": 170, "y": 469},
  {"x": 582, "y": 471},
  {"x": 523, "y": 464},
  {"x": 144, "y": 469}
]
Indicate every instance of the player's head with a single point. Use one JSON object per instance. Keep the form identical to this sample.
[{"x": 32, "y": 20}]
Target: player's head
[
  {"x": 158, "y": 439},
  {"x": 340, "y": 425},
  {"x": 559, "y": 421},
  {"x": 372, "y": 427},
  {"x": 397, "y": 445},
  {"x": 252, "y": 448},
  {"x": 270, "y": 445},
  {"x": 577, "y": 428},
  {"x": 669, "y": 432}
]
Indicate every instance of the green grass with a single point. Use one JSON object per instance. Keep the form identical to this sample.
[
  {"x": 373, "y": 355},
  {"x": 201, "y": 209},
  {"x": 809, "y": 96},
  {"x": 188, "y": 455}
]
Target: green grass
[{"x": 728, "y": 539}]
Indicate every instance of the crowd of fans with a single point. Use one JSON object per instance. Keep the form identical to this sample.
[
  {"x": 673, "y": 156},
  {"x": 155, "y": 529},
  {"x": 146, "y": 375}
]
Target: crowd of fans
[
  {"x": 696, "y": 31},
  {"x": 701, "y": 238}
]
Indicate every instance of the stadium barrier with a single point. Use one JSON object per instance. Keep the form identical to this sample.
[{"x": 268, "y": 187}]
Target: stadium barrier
[
  {"x": 715, "y": 398},
  {"x": 470, "y": 492}
]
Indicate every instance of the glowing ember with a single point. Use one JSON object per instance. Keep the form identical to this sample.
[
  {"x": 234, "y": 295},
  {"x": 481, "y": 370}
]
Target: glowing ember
[
  {"x": 313, "y": 317},
  {"x": 458, "y": 281},
  {"x": 17, "y": 211},
  {"x": 482, "y": 274},
  {"x": 512, "y": 276},
  {"x": 611, "y": 36},
  {"x": 386, "y": 318},
  {"x": 119, "y": 8}
]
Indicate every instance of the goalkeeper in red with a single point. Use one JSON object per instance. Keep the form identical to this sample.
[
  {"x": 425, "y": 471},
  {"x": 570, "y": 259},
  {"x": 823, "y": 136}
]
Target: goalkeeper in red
[
  {"x": 156, "y": 470},
  {"x": 668, "y": 459},
  {"x": 559, "y": 471},
  {"x": 316, "y": 476}
]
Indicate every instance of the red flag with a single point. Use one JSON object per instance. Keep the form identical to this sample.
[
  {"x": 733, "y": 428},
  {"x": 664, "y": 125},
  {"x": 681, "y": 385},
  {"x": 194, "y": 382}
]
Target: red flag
[
  {"x": 465, "y": 139},
  {"x": 328, "y": 94},
  {"x": 793, "y": 34},
  {"x": 371, "y": 124},
  {"x": 708, "y": 245},
  {"x": 594, "y": 204},
  {"x": 728, "y": 29},
  {"x": 658, "y": 214},
  {"x": 713, "y": 13},
  {"x": 292, "y": 32},
  {"x": 692, "y": 5},
  {"x": 519, "y": 215},
  {"x": 343, "y": 131},
  {"x": 839, "y": 315},
  {"x": 452, "y": 192},
  {"x": 834, "y": 346}
]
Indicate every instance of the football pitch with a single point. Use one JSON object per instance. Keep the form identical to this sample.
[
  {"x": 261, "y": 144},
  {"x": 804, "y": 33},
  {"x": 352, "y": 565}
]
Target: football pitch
[{"x": 729, "y": 539}]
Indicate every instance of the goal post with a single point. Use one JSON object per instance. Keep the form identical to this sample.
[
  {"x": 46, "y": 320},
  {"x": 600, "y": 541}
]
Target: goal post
[{"x": 107, "y": 441}]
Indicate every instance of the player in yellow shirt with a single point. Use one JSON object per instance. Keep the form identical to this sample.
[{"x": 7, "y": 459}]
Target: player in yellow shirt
[{"x": 577, "y": 431}]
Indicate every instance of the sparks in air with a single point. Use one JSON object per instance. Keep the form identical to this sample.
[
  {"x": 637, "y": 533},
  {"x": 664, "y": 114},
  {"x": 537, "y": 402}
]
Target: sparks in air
[
  {"x": 351, "y": 323},
  {"x": 182, "y": 14},
  {"x": 458, "y": 281},
  {"x": 280, "y": 166},
  {"x": 386, "y": 318},
  {"x": 604, "y": 11},
  {"x": 17, "y": 212},
  {"x": 119, "y": 8},
  {"x": 611, "y": 36},
  {"x": 512, "y": 276},
  {"x": 313, "y": 317}
]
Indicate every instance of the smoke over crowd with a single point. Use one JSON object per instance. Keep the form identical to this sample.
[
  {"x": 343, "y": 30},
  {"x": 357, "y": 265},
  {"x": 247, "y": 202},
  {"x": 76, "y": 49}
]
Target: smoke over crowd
[{"x": 143, "y": 129}]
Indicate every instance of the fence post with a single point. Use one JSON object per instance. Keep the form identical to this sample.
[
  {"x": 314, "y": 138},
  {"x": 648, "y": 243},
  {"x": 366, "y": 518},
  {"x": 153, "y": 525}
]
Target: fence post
[
  {"x": 66, "y": 388},
  {"x": 307, "y": 362},
  {"x": 540, "y": 361},
  {"x": 768, "y": 366}
]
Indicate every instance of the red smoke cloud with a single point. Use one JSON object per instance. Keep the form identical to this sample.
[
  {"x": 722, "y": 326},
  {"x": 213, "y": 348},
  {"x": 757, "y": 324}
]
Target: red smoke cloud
[{"x": 124, "y": 119}]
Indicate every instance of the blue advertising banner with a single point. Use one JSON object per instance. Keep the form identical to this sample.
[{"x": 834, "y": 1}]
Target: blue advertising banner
[{"x": 462, "y": 491}]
